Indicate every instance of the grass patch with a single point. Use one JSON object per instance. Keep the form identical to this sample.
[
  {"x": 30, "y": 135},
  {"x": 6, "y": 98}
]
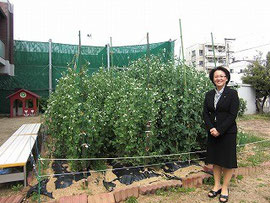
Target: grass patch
[
  {"x": 262, "y": 185},
  {"x": 239, "y": 177},
  {"x": 34, "y": 196},
  {"x": 258, "y": 158},
  {"x": 163, "y": 192},
  {"x": 265, "y": 116},
  {"x": 259, "y": 151},
  {"x": 245, "y": 138},
  {"x": 131, "y": 200},
  {"x": 17, "y": 187},
  {"x": 209, "y": 181}
]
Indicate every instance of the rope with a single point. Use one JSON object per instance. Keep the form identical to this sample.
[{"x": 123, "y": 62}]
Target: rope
[
  {"x": 264, "y": 149},
  {"x": 140, "y": 157},
  {"x": 253, "y": 143},
  {"x": 139, "y": 166},
  {"x": 111, "y": 169},
  {"x": 120, "y": 158}
]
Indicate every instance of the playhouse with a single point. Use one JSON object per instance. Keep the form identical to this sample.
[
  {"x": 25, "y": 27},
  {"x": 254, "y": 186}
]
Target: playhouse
[{"x": 23, "y": 103}]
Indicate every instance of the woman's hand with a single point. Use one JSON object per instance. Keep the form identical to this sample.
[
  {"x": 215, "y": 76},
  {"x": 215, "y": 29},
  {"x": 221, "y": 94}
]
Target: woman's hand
[{"x": 214, "y": 132}]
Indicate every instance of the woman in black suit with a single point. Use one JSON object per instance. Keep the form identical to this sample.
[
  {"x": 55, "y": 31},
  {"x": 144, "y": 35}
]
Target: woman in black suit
[{"x": 221, "y": 106}]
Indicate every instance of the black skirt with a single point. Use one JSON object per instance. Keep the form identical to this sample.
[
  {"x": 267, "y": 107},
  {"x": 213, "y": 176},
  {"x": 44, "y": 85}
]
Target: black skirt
[{"x": 221, "y": 150}]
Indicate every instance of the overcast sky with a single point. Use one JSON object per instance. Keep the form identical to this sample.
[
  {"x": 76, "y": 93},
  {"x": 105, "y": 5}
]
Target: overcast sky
[{"x": 128, "y": 21}]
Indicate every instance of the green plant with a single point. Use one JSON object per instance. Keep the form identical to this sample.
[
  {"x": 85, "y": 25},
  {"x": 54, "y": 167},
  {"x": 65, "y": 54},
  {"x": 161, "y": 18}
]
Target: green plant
[
  {"x": 43, "y": 101},
  {"x": 245, "y": 138},
  {"x": 131, "y": 199},
  {"x": 258, "y": 158},
  {"x": 34, "y": 196},
  {"x": 262, "y": 185},
  {"x": 17, "y": 187},
  {"x": 242, "y": 107},
  {"x": 106, "y": 115},
  {"x": 209, "y": 181},
  {"x": 184, "y": 190},
  {"x": 163, "y": 192},
  {"x": 239, "y": 177},
  {"x": 264, "y": 116}
]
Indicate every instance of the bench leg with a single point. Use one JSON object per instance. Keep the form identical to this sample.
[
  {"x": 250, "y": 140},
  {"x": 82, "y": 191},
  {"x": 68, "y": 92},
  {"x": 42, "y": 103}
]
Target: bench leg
[{"x": 24, "y": 172}]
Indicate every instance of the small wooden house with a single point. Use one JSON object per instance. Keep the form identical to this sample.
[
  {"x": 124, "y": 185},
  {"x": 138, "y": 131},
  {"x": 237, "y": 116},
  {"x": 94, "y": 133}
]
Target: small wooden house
[{"x": 23, "y": 103}]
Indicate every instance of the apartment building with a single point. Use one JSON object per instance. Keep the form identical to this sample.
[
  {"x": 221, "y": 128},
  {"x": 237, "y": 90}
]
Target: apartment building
[
  {"x": 6, "y": 38},
  {"x": 201, "y": 56}
]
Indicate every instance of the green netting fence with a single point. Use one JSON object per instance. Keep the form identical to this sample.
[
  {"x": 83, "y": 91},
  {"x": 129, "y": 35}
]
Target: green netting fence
[{"x": 31, "y": 60}]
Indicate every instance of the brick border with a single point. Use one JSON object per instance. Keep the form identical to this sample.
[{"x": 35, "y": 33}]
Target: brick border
[{"x": 123, "y": 194}]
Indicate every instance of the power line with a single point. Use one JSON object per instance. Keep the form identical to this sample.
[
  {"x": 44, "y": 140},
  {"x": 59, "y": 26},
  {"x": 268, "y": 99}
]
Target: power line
[{"x": 252, "y": 48}]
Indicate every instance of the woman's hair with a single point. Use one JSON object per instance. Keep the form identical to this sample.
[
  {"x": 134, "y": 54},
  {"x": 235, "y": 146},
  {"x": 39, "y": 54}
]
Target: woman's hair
[{"x": 211, "y": 74}]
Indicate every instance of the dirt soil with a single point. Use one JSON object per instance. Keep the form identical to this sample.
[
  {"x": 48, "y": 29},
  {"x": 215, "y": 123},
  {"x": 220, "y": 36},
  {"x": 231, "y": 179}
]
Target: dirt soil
[
  {"x": 254, "y": 188},
  {"x": 9, "y": 125},
  {"x": 257, "y": 127}
]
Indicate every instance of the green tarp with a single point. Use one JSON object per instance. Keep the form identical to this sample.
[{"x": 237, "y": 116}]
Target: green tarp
[{"x": 31, "y": 60}]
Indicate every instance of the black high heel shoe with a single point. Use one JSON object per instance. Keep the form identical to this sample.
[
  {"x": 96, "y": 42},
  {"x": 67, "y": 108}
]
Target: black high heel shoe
[{"x": 213, "y": 193}]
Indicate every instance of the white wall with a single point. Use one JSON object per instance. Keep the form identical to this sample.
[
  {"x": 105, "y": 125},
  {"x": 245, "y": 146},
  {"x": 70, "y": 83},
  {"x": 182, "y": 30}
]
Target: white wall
[
  {"x": 247, "y": 92},
  {"x": 238, "y": 70}
]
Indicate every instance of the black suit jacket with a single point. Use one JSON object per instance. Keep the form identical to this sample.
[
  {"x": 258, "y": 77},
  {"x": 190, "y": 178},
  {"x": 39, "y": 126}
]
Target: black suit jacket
[{"x": 225, "y": 112}]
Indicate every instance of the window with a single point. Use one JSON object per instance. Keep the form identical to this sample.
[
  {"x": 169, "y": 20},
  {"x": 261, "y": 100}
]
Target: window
[
  {"x": 241, "y": 70},
  {"x": 193, "y": 53},
  {"x": 29, "y": 103},
  {"x": 231, "y": 70},
  {"x": 200, "y": 52},
  {"x": 200, "y": 63},
  {"x": 221, "y": 61}
]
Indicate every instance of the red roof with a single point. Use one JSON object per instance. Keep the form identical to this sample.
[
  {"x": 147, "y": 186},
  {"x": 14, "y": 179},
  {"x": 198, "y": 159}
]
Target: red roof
[{"x": 23, "y": 90}]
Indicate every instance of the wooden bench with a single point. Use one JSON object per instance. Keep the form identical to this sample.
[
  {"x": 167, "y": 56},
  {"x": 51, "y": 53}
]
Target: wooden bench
[{"x": 16, "y": 150}]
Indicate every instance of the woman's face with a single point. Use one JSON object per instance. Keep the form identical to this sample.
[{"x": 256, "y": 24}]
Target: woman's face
[{"x": 220, "y": 79}]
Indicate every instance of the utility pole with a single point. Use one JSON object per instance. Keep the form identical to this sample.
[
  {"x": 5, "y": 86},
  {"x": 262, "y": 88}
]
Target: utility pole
[
  {"x": 182, "y": 44},
  {"x": 227, "y": 50},
  {"x": 111, "y": 51},
  {"x": 50, "y": 66},
  {"x": 183, "y": 55},
  {"x": 213, "y": 47}
]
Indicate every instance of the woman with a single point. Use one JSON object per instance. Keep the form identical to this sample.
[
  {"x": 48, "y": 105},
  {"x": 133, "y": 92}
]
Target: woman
[{"x": 220, "y": 111}]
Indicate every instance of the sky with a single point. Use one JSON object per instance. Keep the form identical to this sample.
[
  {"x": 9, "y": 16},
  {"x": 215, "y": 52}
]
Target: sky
[{"x": 128, "y": 21}]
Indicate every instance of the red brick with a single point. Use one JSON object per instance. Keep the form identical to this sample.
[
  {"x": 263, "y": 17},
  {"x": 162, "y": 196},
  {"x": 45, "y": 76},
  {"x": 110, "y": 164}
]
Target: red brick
[
  {"x": 198, "y": 181},
  {"x": 177, "y": 183},
  {"x": 162, "y": 186},
  {"x": 124, "y": 193},
  {"x": 12, "y": 199},
  {"x": 143, "y": 190},
  {"x": 53, "y": 201},
  {"x": 208, "y": 168},
  {"x": 74, "y": 199},
  {"x": 133, "y": 191},
  {"x": 154, "y": 188},
  {"x": 186, "y": 182},
  {"x": 165, "y": 185},
  {"x": 102, "y": 198},
  {"x": 120, "y": 195}
]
